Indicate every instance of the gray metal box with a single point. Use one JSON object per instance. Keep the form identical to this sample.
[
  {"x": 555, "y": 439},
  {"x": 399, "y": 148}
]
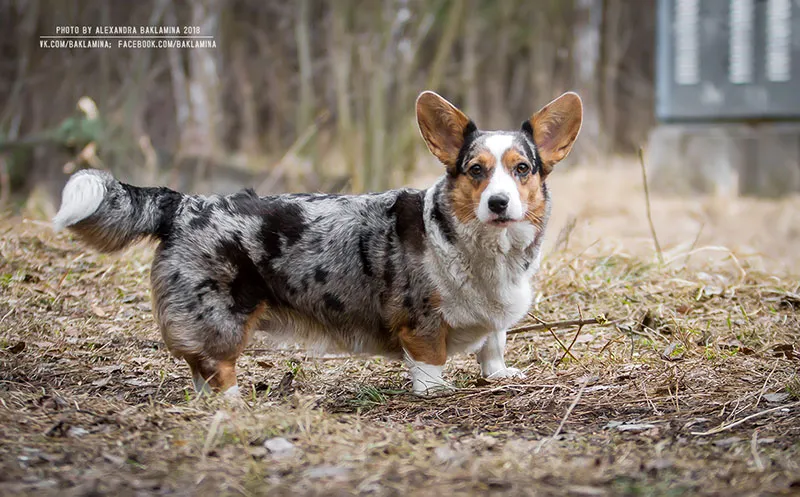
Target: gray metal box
[{"x": 728, "y": 60}]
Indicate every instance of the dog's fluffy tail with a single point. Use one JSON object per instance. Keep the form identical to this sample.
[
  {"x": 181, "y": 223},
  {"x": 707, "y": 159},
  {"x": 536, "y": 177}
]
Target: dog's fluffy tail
[{"x": 110, "y": 215}]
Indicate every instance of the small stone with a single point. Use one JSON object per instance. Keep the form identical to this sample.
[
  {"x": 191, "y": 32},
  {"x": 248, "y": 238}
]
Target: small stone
[
  {"x": 776, "y": 398},
  {"x": 279, "y": 447},
  {"x": 76, "y": 432}
]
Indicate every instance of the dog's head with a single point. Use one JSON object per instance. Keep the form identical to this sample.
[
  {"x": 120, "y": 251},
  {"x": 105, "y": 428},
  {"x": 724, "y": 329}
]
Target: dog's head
[{"x": 497, "y": 177}]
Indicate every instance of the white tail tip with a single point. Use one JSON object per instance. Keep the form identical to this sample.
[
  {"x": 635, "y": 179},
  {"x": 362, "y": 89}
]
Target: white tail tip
[{"x": 82, "y": 195}]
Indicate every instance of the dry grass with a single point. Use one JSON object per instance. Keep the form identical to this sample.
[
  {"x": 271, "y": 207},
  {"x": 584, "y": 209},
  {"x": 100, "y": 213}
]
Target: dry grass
[{"x": 92, "y": 404}]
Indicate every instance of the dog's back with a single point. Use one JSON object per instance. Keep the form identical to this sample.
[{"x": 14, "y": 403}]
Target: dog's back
[{"x": 340, "y": 266}]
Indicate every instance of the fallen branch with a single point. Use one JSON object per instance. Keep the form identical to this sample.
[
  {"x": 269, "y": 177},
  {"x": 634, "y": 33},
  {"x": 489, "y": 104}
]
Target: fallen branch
[
  {"x": 564, "y": 347},
  {"x": 574, "y": 338},
  {"x": 744, "y": 420},
  {"x": 555, "y": 325}
]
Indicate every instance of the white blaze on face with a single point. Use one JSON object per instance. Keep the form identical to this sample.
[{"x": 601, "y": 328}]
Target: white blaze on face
[{"x": 501, "y": 182}]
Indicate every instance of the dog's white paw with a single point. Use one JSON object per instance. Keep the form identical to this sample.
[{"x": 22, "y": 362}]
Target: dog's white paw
[
  {"x": 506, "y": 373},
  {"x": 431, "y": 389}
]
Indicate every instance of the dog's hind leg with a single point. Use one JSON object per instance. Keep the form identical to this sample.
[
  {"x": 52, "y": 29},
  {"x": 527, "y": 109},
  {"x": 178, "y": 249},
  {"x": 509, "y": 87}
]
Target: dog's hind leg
[
  {"x": 206, "y": 305},
  {"x": 210, "y": 343},
  {"x": 210, "y": 375},
  {"x": 214, "y": 368}
]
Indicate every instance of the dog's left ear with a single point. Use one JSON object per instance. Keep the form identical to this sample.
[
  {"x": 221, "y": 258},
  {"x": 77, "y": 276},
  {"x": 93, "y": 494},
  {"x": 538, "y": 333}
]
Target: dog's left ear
[
  {"x": 554, "y": 129},
  {"x": 443, "y": 127}
]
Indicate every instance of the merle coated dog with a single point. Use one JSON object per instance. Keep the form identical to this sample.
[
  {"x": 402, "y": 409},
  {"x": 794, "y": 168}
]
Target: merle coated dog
[{"x": 417, "y": 275}]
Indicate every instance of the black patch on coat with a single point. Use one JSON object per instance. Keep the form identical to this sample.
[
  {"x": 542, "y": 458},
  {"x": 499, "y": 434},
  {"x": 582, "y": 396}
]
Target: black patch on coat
[
  {"x": 363, "y": 253},
  {"x": 209, "y": 283},
  {"x": 532, "y": 157},
  {"x": 388, "y": 266},
  {"x": 471, "y": 134},
  {"x": 442, "y": 221},
  {"x": 248, "y": 289},
  {"x": 333, "y": 303},
  {"x": 201, "y": 215},
  {"x": 320, "y": 275},
  {"x": 527, "y": 129},
  {"x": 409, "y": 224},
  {"x": 165, "y": 202},
  {"x": 245, "y": 203},
  {"x": 112, "y": 202},
  {"x": 281, "y": 219}
]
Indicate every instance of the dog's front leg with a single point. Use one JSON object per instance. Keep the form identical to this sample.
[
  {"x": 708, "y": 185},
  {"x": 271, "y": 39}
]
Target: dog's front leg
[
  {"x": 492, "y": 360},
  {"x": 425, "y": 353}
]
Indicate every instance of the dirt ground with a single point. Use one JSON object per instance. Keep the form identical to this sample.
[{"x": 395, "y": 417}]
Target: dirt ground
[{"x": 688, "y": 384}]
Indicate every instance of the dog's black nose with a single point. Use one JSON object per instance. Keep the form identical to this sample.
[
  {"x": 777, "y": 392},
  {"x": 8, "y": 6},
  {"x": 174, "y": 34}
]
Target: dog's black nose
[{"x": 498, "y": 203}]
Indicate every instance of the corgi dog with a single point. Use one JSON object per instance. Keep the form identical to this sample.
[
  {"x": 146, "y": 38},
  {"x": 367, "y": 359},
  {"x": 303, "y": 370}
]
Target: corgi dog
[{"x": 416, "y": 275}]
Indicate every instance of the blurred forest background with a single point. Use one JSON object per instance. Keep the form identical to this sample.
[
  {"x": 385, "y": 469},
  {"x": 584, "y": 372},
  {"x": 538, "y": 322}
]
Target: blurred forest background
[{"x": 304, "y": 94}]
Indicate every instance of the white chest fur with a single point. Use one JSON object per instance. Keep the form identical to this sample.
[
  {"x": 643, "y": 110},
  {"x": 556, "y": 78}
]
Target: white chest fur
[{"x": 484, "y": 279}]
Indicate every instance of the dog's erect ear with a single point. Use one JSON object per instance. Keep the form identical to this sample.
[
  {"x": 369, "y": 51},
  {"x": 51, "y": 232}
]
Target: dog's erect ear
[
  {"x": 554, "y": 129},
  {"x": 443, "y": 127}
]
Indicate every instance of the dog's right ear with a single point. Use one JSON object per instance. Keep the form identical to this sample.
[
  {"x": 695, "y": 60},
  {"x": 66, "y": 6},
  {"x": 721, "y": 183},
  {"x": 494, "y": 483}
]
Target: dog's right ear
[{"x": 443, "y": 127}]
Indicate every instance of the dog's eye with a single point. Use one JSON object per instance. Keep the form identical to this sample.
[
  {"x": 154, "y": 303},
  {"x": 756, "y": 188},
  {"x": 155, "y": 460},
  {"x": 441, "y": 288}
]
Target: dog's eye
[
  {"x": 522, "y": 169},
  {"x": 475, "y": 170}
]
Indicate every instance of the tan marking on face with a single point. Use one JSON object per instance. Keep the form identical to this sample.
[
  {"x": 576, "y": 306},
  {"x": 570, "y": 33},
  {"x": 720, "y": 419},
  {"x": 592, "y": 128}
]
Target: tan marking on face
[
  {"x": 430, "y": 348},
  {"x": 529, "y": 187},
  {"x": 466, "y": 193}
]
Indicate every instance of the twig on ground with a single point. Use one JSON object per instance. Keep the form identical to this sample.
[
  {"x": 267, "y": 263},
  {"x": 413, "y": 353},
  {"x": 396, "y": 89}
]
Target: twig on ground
[
  {"x": 764, "y": 388},
  {"x": 542, "y": 325},
  {"x": 754, "y": 451},
  {"x": 743, "y": 420},
  {"x": 564, "y": 347},
  {"x": 647, "y": 200},
  {"x": 564, "y": 419},
  {"x": 574, "y": 338},
  {"x": 569, "y": 410}
]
